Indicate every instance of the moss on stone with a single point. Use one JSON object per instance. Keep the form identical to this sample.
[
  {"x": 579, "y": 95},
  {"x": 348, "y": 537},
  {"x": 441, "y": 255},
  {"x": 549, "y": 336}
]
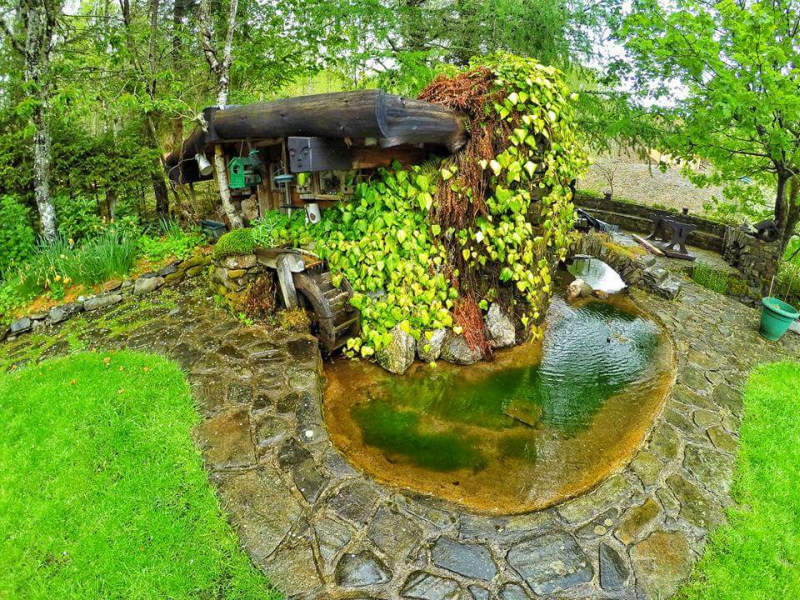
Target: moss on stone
[{"x": 238, "y": 241}]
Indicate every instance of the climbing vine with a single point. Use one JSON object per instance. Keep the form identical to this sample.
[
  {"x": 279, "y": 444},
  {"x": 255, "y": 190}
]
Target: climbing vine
[{"x": 432, "y": 246}]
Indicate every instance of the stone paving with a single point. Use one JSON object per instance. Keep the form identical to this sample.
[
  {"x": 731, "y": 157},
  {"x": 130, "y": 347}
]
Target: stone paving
[{"x": 320, "y": 529}]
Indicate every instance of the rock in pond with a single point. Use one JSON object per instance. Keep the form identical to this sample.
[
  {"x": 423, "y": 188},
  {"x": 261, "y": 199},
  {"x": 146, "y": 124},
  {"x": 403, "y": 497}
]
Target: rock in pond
[
  {"x": 430, "y": 350},
  {"x": 398, "y": 356},
  {"x": 456, "y": 350},
  {"x": 500, "y": 327}
]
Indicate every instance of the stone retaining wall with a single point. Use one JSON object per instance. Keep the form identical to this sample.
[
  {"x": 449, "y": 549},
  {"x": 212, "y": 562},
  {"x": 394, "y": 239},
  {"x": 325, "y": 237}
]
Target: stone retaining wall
[
  {"x": 757, "y": 260},
  {"x": 114, "y": 292},
  {"x": 709, "y": 235}
]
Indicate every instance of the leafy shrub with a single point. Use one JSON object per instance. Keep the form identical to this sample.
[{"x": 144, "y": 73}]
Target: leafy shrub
[
  {"x": 710, "y": 277},
  {"x": 238, "y": 241},
  {"x": 787, "y": 283},
  {"x": 17, "y": 238},
  {"x": 77, "y": 217},
  {"x": 171, "y": 240}
]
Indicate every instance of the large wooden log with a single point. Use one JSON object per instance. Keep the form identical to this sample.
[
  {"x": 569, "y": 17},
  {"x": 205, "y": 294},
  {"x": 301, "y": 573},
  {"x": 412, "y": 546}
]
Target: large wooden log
[{"x": 390, "y": 119}]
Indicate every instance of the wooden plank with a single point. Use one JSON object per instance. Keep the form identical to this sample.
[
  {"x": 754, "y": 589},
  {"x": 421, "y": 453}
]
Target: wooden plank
[{"x": 650, "y": 247}]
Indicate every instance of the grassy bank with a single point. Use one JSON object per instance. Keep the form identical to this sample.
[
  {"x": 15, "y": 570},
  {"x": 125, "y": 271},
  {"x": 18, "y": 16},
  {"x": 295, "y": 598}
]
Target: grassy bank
[
  {"x": 757, "y": 555},
  {"x": 102, "y": 493}
]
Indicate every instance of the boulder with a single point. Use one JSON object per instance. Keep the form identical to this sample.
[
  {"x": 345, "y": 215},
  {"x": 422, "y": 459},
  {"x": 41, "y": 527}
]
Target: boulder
[
  {"x": 429, "y": 350},
  {"x": 398, "y": 356},
  {"x": 64, "y": 312},
  {"x": 102, "y": 301},
  {"x": 578, "y": 289},
  {"x": 456, "y": 350},
  {"x": 20, "y": 326},
  {"x": 500, "y": 327},
  {"x": 245, "y": 261},
  {"x": 147, "y": 285}
]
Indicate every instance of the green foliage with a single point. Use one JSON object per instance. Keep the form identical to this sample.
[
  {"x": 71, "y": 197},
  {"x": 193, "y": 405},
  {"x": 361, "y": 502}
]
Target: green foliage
[
  {"x": 104, "y": 489},
  {"x": 237, "y": 241},
  {"x": 170, "y": 241},
  {"x": 757, "y": 554},
  {"x": 77, "y": 217},
  {"x": 17, "y": 239},
  {"x": 710, "y": 277},
  {"x": 740, "y": 110}
]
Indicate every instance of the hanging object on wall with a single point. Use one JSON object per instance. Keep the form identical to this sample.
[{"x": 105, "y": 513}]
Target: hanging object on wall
[{"x": 243, "y": 171}]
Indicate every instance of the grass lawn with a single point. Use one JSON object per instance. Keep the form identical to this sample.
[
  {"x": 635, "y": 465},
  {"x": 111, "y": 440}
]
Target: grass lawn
[
  {"x": 103, "y": 494},
  {"x": 757, "y": 555}
]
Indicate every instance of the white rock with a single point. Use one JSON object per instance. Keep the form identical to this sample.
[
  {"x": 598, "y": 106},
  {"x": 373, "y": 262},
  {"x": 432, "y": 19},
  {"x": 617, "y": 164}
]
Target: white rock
[
  {"x": 500, "y": 327},
  {"x": 398, "y": 356},
  {"x": 434, "y": 346}
]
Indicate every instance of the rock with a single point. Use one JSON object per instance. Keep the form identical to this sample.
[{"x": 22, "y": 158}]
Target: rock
[
  {"x": 293, "y": 569},
  {"x": 250, "y": 208},
  {"x": 425, "y": 586},
  {"x": 244, "y": 496},
  {"x": 578, "y": 289},
  {"x": 613, "y": 570},
  {"x": 112, "y": 285},
  {"x": 696, "y": 507},
  {"x": 712, "y": 467},
  {"x": 433, "y": 345},
  {"x": 393, "y": 533},
  {"x": 551, "y": 563},
  {"x": 245, "y": 261},
  {"x": 469, "y": 560},
  {"x": 456, "y": 350},
  {"x": 169, "y": 269},
  {"x": 38, "y": 316},
  {"x": 354, "y": 501},
  {"x": 723, "y": 440},
  {"x": 586, "y": 507},
  {"x": 64, "y": 312},
  {"x": 512, "y": 591},
  {"x": 647, "y": 467},
  {"x": 147, "y": 284},
  {"x": 478, "y": 592},
  {"x": 236, "y": 273},
  {"x": 500, "y": 327},
  {"x": 361, "y": 570},
  {"x": 228, "y": 443},
  {"x": 20, "y": 326},
  {"x": 398, "y": 355},
  {"x": 332, "y": 536},
  {"x": 661, "y": 563},
  {"x": 102, "y": 301},
  {"x": 637, "y": 520}
]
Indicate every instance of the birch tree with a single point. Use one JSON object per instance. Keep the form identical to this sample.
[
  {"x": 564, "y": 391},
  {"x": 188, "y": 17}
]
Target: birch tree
[
  {"x": 34, "y": 42},
  {"x": 220, "y": 66}
]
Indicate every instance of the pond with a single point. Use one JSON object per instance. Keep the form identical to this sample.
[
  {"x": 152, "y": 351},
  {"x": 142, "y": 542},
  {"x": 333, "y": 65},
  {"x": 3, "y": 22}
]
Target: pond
[{"x": 540, "y": 423}]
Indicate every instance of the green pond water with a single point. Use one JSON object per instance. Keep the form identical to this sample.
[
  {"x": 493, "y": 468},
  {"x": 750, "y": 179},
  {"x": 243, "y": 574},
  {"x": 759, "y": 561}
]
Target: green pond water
[{"x": 512, "y": 415}]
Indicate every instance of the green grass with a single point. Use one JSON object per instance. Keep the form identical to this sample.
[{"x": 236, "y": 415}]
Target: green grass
[
  {"x": 103, "y": 494},
  {"x": 710, "y": 277},
  {"x": 757, "y": 555}
]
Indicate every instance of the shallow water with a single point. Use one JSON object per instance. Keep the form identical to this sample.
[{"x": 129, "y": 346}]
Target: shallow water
[{"x": 540, "y": 423}]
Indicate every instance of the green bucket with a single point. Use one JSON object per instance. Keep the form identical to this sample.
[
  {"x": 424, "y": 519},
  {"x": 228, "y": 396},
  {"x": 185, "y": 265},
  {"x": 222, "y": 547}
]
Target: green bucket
[{"x": 776, "y": 317}]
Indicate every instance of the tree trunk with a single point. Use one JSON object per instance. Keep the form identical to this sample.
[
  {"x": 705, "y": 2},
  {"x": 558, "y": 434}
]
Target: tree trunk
[
  {"x": 224, "y": 190},
  {"x": 792, "y": 212},
  {"x": 781, "y": 205},
  {"x": 39, "y": 21},
  {"x": 221, "y": 69}
]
